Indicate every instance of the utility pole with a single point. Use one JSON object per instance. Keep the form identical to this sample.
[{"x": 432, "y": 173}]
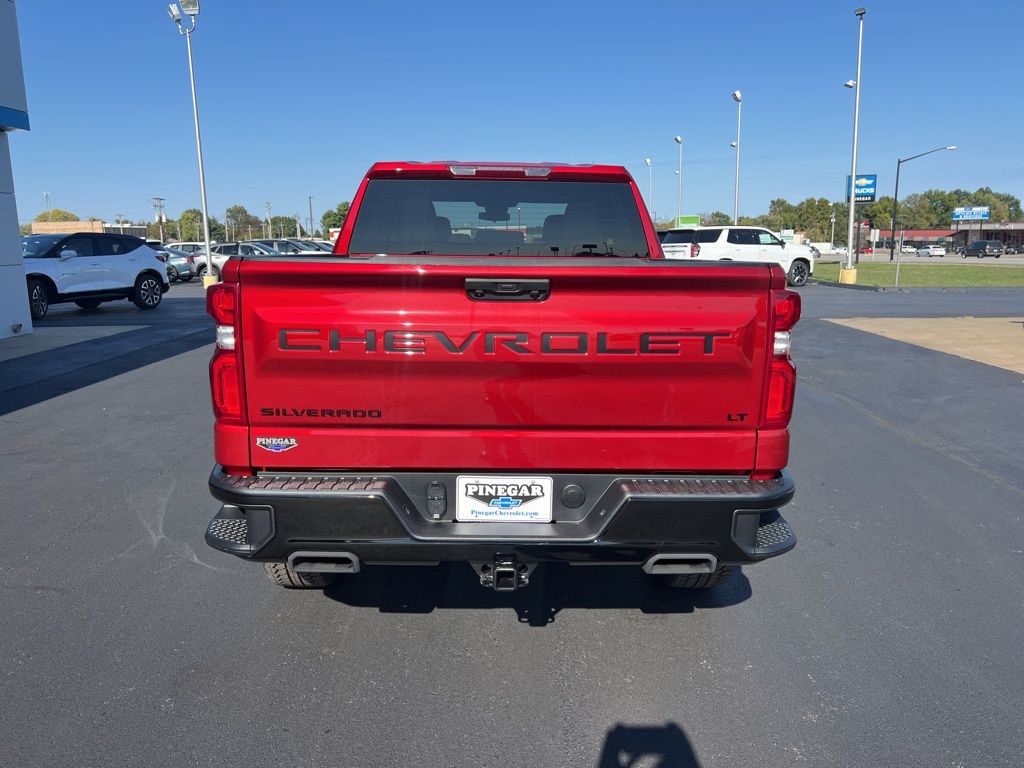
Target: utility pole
[
  {"x": 119, "y": 220},
  {"x": 158, "y": 204},
  {"x": 46, "y": 196},
  {"x": 311, "y": 228},
  {"x": 270, "y": 224}
]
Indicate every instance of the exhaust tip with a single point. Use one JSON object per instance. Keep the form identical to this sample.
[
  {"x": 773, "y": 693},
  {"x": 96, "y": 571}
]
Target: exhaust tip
[
  {"x": 323, "y": 562},
  {"x": 681, "y": 564}
]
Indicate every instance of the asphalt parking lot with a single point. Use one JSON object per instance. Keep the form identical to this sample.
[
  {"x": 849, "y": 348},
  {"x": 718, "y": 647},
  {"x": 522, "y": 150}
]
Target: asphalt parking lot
[{"x": 890, "y": 636}]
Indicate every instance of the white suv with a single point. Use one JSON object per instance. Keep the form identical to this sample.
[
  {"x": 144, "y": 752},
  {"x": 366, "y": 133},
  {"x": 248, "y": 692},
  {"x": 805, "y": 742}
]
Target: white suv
[
  {"x": 735, "y": 243},
  {"x": 89, "y": 268}
]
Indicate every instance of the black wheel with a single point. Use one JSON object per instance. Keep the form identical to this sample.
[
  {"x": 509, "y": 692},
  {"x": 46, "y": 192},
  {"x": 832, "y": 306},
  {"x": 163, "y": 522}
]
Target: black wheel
[
  {"x": 88, "y": 303},
  {"x": 148, "y": 292},
  {"x": 799, "y": 271},
  {"x": 201, "y": 271},
  {"x": 283, "y": 576},
  {"x": 963, "y": 255},
  {"x": 699, "y": 580},
  {"x": 172, "y": 274},
  {"x": 38, "y": 299}
]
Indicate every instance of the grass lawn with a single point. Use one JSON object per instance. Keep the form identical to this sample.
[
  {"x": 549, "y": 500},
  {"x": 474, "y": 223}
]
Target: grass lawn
[{"x": 929, "y": 275}]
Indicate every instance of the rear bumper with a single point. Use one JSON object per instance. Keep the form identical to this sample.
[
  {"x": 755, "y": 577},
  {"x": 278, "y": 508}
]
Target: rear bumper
[{"x": 383, "y": 519}]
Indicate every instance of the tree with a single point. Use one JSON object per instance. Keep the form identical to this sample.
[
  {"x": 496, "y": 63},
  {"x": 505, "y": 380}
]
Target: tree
[
  {"x": 190, "y": 225},
  {"x": 718, "y": 218},
  {"x": 282, "y": 226},
  {"x": 242, "y": 224},
  {"x": 57, "y": 214},
  {"x": 335, "y": 217},
  {"x": 25, "y": 229}
]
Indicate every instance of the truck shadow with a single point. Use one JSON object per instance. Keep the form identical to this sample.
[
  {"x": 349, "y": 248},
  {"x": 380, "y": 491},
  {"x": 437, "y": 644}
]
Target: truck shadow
[
  {"x": 553, "y": 588},
  {"x": 652, "y": 746},
  {"x": 70, "y": 361}
]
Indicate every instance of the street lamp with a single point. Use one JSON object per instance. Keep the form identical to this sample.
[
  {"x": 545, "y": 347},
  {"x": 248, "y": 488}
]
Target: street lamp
[
  {"x": 191, "y": 9},
  {"x": 650, "y": 186},
  {"x": 855, "y": 84},
  {"x": 738, "y": 98},
  {"x": 896, "y": 194},
  {"x": 679, "y": 173}
]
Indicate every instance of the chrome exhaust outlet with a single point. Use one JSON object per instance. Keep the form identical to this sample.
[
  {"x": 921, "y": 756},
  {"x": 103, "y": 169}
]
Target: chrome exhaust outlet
[
  {"x": 323, "y": 562},
  {"x": 681, "y": 563}
]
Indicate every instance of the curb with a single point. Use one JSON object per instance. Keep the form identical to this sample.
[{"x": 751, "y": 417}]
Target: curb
[{"x": 854, "y": 286}]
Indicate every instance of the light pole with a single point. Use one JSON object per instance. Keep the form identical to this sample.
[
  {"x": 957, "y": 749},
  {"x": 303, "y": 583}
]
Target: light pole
[
  {"x": 832, "y": 218},
  {"x": 311, "y": 230},
  {"x": 650, "y": 187},
  {"x": 738, "y": 98},
  {"x": 679, "y": 173},
  {"x": 270, "y": 223},
  {"x": 191, "y": 9},
  {"x": 896, "y": 194},
  {"x": 851, "y": 274}
]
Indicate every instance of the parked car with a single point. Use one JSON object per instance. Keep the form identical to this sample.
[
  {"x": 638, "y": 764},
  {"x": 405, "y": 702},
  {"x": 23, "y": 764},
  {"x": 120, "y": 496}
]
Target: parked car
[
  {"x": 221, "y": 252},
  {"x": 1011, "y": 249},
  {"x": 728, "y": 243},
  {"x": 908, "y": 249},
  {"x": 983, "y": 248},
  {"x": 188, "y": 246},
  {"x": 89, "y": 268},
  {"x": 609, "y": 407},
  {"x": 931, "y": 250},
  {"x": 288, "y": 245},
  {"x": 180, "y": 265}
]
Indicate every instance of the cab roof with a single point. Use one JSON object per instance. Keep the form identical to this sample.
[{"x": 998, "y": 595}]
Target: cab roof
[{"x": 456, "y": 169}]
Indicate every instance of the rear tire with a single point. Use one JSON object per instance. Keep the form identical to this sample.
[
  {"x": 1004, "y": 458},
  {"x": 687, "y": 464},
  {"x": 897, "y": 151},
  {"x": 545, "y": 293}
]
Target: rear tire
[
  {"x": 172, "y": 274},
  {"x": 148, "y": 292},
  {"x": 699, "y": 580},
  {"x": 283, "y": 576},
  {"x": 88, "y": 303},
  {"x": 38, "y": 299},
  {"x": 201, "y": 272},
  {"x": 799, "y": 271}
]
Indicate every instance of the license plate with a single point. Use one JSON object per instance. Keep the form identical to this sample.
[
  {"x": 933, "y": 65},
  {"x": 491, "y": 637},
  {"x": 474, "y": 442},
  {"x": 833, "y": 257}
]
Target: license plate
[{"x": 503, "y": 499}]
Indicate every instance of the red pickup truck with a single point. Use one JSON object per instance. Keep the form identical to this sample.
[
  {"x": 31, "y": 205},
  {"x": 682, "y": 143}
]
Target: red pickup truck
[{"x": 497, "y": 365}]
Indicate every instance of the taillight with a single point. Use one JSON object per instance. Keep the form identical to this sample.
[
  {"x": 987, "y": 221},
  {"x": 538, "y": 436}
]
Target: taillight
[
  {"x": 778, "y": 402},
  {"x": 162, "y": 257},
  {"x": 694, "y": 250},
  {"x": 227, "y": 389}
]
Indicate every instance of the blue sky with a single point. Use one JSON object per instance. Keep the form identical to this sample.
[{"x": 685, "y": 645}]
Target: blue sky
[{"x": 298, "y": 98}]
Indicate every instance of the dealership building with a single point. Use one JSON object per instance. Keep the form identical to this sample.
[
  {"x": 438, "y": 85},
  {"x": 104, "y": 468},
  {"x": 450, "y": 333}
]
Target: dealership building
[
  {"x": 961, "y": 233},
  {"x": 14, "y": 314}
]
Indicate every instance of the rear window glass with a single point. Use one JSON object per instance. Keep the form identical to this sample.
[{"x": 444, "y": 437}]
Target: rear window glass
[
  {"x": 708, "y": 235},
  {"x": 498, "y": 218},
  {"x": 678, "y": 237}
]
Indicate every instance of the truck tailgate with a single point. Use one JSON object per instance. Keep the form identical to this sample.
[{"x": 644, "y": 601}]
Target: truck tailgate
[{"x": 390, "y": 363}]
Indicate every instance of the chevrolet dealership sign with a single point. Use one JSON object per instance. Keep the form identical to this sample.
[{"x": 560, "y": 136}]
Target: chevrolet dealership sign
[{"x": 865, "y": 186}]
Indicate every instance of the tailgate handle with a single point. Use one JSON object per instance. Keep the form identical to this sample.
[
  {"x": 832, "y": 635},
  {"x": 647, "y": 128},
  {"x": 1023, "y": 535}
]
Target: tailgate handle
[{"x": 512, "y": 289}]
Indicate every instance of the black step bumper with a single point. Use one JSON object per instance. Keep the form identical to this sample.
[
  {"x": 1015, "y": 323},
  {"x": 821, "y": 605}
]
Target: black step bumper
[{"x": 384, "y": 519}]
